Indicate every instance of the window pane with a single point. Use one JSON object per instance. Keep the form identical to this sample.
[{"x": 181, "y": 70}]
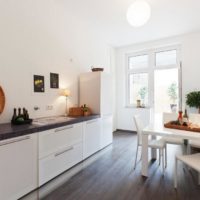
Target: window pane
[
  {"x": 166, "y": 58},
  {"x": 138, "y": 62},
  {"x": 138, "y": 86},
  {"x": 166, "y": 90}
]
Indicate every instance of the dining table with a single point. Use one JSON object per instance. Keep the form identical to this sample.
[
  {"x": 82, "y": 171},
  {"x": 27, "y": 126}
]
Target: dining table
[{"x": 154, "y": 130}]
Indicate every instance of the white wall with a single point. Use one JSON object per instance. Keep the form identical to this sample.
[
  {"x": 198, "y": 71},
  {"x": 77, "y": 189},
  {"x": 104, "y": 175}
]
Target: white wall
[
  {"x": 190, "y": 51},
  {"x": 39, "y": 37}
]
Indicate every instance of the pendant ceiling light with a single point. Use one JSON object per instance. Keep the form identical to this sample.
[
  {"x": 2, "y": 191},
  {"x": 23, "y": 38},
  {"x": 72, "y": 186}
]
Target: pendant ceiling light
[{"x": 138, "y": 13}]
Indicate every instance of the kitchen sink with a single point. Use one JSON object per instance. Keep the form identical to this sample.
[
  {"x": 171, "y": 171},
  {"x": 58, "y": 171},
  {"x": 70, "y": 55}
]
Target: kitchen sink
[{"x": 51, "y": 120}]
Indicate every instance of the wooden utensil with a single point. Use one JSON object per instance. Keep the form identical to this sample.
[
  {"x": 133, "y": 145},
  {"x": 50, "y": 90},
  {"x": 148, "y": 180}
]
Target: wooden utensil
[{"x": 2, "y": 100}]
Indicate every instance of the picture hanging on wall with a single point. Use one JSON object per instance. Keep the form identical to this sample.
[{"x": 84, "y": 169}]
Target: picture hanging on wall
[
  {"x": 54, "y": 80},
  {"x": 38, "y": 82}
]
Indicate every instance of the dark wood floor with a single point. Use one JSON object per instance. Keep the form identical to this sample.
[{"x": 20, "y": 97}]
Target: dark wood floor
[{"x": 110, "y": 176}]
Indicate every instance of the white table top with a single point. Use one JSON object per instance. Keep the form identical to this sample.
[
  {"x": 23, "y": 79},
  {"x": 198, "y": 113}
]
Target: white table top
[{"x": 160, "y": 130}]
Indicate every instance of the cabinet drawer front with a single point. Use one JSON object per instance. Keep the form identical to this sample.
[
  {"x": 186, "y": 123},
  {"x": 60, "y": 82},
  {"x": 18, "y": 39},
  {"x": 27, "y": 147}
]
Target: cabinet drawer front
[
  {"x": 52, "y": 140},
  {"x": 58, "y": 162}
]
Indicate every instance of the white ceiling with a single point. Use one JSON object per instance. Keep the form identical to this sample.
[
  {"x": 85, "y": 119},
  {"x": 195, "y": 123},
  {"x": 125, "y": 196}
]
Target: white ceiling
[{"x": 108, "y": 19}]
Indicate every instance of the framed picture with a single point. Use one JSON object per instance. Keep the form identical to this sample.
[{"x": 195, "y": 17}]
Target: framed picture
[
  {"x": 38, "y": 83},
  {"x": 54, "y": 80}
]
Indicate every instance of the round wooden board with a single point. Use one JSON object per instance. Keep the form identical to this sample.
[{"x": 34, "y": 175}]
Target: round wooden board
[{"x": 2, "y": 100}]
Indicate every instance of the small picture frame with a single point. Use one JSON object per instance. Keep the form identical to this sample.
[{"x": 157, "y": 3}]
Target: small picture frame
[
  {"x": 38, "y": 83},
  {"x": 54, "y": 80}
]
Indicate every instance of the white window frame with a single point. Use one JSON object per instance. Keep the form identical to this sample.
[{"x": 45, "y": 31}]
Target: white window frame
[
  {"x": 135, "y": 71},
  {"x": 150, "y": 70}
]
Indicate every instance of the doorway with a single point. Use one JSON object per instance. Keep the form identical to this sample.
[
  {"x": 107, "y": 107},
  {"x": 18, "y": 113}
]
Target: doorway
[{"x": 166, "y": 92}]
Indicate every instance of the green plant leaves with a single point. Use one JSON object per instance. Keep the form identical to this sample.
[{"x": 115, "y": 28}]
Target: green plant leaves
[{"x": 193, "y": 99}]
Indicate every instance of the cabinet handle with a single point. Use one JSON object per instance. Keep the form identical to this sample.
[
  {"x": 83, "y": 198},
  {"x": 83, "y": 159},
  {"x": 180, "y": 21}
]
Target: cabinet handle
[
  {"x": 64, "y": 151},
  {"x": 62, "y": 129},
  {"x": 15, "y": 140},
  {"x": 90, "y": 122}
]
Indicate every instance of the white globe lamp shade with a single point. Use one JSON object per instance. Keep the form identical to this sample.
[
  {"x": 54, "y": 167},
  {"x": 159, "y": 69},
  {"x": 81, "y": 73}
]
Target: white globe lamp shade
[{"x": 138, "y": 13}]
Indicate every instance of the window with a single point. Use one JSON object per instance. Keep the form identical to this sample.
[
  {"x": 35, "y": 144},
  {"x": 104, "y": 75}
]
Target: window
[
  {"x": 138, "y": 79},
  {"x": 138, "y": 88},
  {"x": 136, "y": 62},
  {"x": 145, "y": 69},
  {"x": 166, "y": 58}
]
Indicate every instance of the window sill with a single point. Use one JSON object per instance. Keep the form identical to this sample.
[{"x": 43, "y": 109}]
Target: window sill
[{"x": 135, "y": 107}]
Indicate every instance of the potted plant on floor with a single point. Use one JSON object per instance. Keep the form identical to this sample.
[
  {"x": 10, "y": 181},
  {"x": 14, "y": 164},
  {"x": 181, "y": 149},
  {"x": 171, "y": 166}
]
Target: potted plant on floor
[
  {"x": 193, "y": 99},
  {"x": 172, "y": 93}
]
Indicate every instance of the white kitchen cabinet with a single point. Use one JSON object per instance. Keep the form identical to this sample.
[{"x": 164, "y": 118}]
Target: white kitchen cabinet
[
  {"x": 91, "y": 137},
  {"x": 106, "y": 131},
  {"x": 53, "y": 140},
  {"x": 95, "y": 90},
  {"x": 18, "y": 166},
  {"x": 59, "y": 149},
  {"x": 54, "y": 164}
]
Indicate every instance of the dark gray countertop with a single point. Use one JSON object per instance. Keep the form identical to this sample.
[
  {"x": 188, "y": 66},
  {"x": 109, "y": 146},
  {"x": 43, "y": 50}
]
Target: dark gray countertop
[{"x": 8, "y": 130}]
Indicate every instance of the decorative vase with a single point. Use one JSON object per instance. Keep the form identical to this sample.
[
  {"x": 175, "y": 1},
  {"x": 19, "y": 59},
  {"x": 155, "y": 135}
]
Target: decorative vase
[
  {"x": 173, "y": 107},
  {"x": 86, "y": 113}
]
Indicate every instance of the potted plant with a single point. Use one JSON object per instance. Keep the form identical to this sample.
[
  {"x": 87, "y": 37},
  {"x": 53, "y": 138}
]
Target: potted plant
[
  {"x": 142, "y": 93},
  {"x": 172, "y": 93},
  {"x": 86, "y": 110},
  {"x": 193, "y": 99}
]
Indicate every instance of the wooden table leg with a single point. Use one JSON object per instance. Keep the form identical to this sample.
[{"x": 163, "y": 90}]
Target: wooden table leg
[{"x": 145, "y": 155}]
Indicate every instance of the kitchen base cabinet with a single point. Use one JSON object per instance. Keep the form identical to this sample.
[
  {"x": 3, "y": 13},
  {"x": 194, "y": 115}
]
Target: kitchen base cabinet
[
  {"x": 91, "y": 137},
  {"x": 106, "y": 131},
  {"x": 52, "y": 140},
  {"x": 59, "y": 149},
  {"x": 59, "y": 162},
  {"x": 18, "y": 166},
  {"x": 29, "y": 161}
]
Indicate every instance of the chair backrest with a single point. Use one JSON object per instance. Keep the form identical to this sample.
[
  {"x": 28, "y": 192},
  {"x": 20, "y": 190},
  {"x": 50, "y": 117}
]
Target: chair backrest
[
  {"x": 167, "y": 117},
  {"x": 139, "y": 127},
  {"x": 194, "y": 118}
]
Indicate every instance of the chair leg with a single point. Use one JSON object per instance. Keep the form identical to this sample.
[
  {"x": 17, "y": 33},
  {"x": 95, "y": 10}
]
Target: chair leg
[
  {"x": 188, "y": 152},
  {"x": 163, "y": 163},
  {"x": 175, "y": 173},
  {"x": 159, "y": 155},
  {"x": 188, "y": 149},
  {"x": 199, "y": 178},
  {"x": 165, "y": 156},
  {"x": 136, "y": 157}
]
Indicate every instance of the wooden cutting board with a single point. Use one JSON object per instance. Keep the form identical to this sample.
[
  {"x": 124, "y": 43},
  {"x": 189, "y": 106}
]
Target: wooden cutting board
[
  {"x": 75, "y": 112},
  {"x": 191, "y": 127},
  {"x": 2, "y": 100}
]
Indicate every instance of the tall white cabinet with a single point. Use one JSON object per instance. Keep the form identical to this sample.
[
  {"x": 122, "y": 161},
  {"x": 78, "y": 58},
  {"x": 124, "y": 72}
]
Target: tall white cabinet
[{"x": 95, "y": 90}]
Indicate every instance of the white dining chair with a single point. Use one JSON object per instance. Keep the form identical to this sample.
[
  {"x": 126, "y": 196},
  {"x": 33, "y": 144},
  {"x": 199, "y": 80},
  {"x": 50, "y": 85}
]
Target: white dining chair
[
  {"x": 167, "y": 117},
  {"x": 152, "y": 143},
  {"x": 192, "y": 161},
  {"x": 194, "y": 118}
]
